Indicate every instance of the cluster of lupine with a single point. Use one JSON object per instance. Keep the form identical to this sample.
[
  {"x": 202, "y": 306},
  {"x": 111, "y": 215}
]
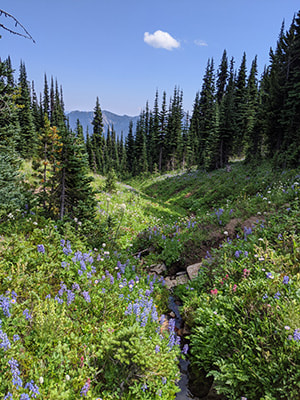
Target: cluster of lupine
[
  {"x": 143, "y": 307},
  {"x": 13, "y": 363}
]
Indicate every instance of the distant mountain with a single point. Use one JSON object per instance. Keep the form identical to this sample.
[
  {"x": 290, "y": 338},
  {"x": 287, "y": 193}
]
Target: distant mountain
[{"x": 119, "y": 122}]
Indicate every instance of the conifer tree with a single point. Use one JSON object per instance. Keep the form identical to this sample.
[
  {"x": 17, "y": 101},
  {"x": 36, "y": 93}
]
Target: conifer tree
[
  {"x": 173, "y": 141},
  {"x": 163, "y": 123},
  {"x": 252, "y": 139},
  {"x": 140, "y": 146},
  {"x": 227, "y": 119},
  {"x": 97, "y": 139},
  {"x": 241, "y": 108},
  {"x": 27, "y": 144},
  {"x": 194, "y": 132},
  {"x": 11, "y": 193},
  {"x": 290, "y": 113},
  {"x": 207, "y": 121},
  {"x": 222, "y": 76},
  {"x": 36, "y": 109},
  {"x": 130, "y": 149},
  {"x": 46, "y": 99}
]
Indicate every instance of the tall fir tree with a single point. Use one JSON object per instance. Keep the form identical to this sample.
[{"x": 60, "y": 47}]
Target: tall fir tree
[
  {"x": 27, "y": 144},
  {"x": 130, "y": 149},
  {"x": 227, "y": 129},
  {"x": 11, "y": 193},
  {"x": 97, "y": 138},
  {"x": 241, "y": 108}
]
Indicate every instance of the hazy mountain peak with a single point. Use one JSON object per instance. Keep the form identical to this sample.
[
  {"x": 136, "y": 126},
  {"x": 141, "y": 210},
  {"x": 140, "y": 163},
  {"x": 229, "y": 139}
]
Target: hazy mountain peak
[{"x": 119, "y": 122}]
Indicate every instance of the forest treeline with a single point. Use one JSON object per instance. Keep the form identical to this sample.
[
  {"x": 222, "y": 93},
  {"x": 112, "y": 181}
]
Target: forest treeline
[{"x": 235, "y": 115}]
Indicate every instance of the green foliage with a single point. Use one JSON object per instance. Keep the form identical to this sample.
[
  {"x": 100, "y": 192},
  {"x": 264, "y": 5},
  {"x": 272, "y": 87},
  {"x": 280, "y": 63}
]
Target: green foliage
[{"x": 111, "y": 181}]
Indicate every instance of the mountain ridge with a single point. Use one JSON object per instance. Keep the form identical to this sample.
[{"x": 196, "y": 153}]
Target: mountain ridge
[{"x": 110, "y": 119}]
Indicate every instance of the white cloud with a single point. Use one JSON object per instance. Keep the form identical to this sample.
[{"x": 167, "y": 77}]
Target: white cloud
[
  {"x": 200, "y": 42},
  {"x": 162, "y": 40}
]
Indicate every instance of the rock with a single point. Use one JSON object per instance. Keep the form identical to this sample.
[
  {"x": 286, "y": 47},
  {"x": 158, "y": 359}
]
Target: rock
[
  {"x": 182, "y": 279},
  {"x": 170, "y": 283},
  {"x": 192, "y": 270},
  {"x": 158, "y": 269},
  {"x": 181, "y": 273}
]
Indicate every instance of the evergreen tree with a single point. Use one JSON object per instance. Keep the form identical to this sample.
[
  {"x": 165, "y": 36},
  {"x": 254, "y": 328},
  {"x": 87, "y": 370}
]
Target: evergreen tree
[
  {"x": 241, "y": 109},
  {"x": 11, "y": 192},
  {"x": 290, "y": 113},
  {"x": 252, "y": 139},
  {"x": 207, "y": 121},
  {"x": 97, "y": 139},
  {"x": 130, "y": 149},
  {"x": 28, "y": 139},
  {"x": 194, "y": 132},
  {"x": 163, "y": 123},
  {"x": 222, "y": 76},
  {"x": 140, "y": 146},
  {"x": 227, "y": 119},
  {"x": 36, "y": 110},
  {"x": 46, "y": 99},
  {"x": 173, "y": 140}
]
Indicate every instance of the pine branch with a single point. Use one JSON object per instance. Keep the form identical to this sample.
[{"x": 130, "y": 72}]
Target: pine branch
[{"x": 26, "y": 35}]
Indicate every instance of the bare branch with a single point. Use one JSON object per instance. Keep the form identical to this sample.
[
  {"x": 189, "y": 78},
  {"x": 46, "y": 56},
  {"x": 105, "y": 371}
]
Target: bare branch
[{"x": 26, "y": 35}]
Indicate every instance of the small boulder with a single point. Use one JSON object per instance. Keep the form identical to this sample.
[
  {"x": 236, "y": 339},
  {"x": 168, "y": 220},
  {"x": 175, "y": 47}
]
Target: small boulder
[
  {"x": 158, "y": 269},
  {"x": 192, "y": 270}
]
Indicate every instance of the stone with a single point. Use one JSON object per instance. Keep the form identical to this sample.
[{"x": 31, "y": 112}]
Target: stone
[
  {"x": 158, "y": 269},
  {"x": 182, "y": 279},
  {"x": 192, "y": 270},
  {"x": 170, "y": 283}
]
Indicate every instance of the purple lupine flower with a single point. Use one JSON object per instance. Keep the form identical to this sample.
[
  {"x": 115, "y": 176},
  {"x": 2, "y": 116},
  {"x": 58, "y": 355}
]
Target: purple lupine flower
[
  {"x": 164, "y": 380},
  {"x": 8, "y": 396},
  {"x": 32, "y": 387},
  {"x": 63, "y": 288},
  {"x": 82, "y": 265},
  {"x": 41, "y": 248},
  {"x": 16, "y": 338},
  {"x": 144, "y": 387},
  {"x": 277, "y": 295},
  {"x": 24, "y": 396},
  {"x": 172, "y": 325},
  {"x": 27, "y": 315},
  {"x": 296, "y": 335},
  {"x": 14, "y": 367},
  {"x": 58, "y": 299},
  {"x": 70, "y": 297},
  {"x": 14, "y": 295},
  {"x": 185, "y": 349},
  {"x": 5, "y": 305},
  {"x": 85, "y": 388},
  {"x": 285, "y": 280},
  {"x": 4, "y": 342},
  {"x": 75, "y": 286},
  {"x": 157, "y": 349},
  {"x": 86, "y": 296}
]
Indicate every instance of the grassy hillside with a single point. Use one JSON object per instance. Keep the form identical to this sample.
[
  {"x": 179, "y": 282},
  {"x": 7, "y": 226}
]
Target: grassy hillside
[{"x": 82, "y": 317}]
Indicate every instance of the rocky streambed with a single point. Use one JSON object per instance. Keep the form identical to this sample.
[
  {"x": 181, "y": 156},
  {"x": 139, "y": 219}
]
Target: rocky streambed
[{"x": 193, "y": 383}]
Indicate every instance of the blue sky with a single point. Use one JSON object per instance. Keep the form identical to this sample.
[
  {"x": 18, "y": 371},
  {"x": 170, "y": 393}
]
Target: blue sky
[{"x": 124, "y": 50}]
